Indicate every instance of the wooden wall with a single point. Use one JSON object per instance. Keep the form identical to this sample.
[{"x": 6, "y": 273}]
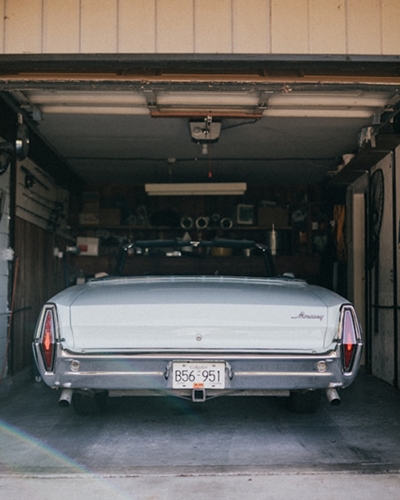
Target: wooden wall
[
  {"x": 4, "y": 266},
  {"x": 384, "y": 280},
  {"x": 40, "y": 276},
  {"x": 200, "y": 26}
]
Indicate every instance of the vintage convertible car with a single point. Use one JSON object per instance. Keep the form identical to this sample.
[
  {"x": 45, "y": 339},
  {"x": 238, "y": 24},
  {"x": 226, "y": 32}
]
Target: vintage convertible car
[{"x": 197, "y": 336}]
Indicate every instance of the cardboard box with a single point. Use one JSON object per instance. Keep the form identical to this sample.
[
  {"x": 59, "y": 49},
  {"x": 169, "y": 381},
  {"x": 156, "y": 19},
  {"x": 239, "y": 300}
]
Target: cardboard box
[
  {"x": 110, "y": 217},
  {"x": 88, "y": 246},
  {"x": 89, "y": 219},
  {"x": 277, "y": 216}
]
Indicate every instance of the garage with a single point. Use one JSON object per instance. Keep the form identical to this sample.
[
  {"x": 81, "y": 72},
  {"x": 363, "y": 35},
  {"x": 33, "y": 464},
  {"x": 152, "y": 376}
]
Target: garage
[
  {"x": 108, "y": 154},
  {"x": 224, "y": 127}
]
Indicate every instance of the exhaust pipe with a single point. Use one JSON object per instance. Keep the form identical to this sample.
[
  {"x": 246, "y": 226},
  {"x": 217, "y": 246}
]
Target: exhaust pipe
[
  {"x": 65, "y": 398},
  {"x": 333, "y": 397}
]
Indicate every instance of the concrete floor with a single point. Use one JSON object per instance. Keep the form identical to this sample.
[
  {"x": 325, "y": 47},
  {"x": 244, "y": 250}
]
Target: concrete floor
[{"x": 150, "y": 448}]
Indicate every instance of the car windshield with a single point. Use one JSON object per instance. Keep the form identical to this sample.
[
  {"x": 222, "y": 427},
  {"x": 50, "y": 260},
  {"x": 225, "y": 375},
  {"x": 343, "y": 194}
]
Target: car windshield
[{"x": 201, "y": 257}]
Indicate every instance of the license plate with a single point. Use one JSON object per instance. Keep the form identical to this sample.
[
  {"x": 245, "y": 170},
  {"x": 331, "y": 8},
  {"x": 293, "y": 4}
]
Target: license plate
[{"x": 198, "y": 375}]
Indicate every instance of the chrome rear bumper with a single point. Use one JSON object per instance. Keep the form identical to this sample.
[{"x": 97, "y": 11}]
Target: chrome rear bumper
[{"x": 151, "y": 372}]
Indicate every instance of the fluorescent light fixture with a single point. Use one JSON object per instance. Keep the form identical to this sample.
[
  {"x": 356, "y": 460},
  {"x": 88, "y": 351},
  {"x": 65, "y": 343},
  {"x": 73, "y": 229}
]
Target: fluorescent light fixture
[
  {"x": 332, "y": 100},
  {"x": 86, "y": 98},
  {"x": 206, "y": 99},
  {"x": 94, "y": 110},
  {"x": 319, "y": 113},
  {"x": 191, "y": 189},
  {"x": 93, "y": 103},
  {"x": 324, "y": 105}
]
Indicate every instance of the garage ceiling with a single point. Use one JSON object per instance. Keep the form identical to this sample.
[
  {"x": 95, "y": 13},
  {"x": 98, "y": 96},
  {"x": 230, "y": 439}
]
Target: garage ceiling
[{"x": 132, "y": 130}]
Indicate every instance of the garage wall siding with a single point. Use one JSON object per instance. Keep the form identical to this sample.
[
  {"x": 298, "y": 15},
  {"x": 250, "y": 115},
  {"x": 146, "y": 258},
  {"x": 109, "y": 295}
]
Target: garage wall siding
[
  {"x": 61, "y": 26},
  {"x": 382, "y": 293},
  {"x": 40, "y": 276},
  {"x": 4, "y": 272},
  {"x": 368, "y": 27},
  {"x": 396, "y": 265}
]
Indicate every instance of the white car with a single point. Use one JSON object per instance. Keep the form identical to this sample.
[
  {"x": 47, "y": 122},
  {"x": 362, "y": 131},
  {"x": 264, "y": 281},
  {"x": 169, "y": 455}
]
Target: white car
[{"x": 197, "y": 337}]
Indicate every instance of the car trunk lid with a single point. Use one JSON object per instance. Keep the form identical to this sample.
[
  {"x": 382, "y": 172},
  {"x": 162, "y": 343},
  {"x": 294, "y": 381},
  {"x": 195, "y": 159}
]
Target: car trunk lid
[{"x": 202, "y": 313}]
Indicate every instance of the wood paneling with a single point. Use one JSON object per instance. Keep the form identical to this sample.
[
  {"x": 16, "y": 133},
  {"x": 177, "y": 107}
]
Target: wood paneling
[
  {"x": 61, "y": 26},
  {"x": 382, "y": 290},
  {"x": 213, "y": 26},
  {"x": 2, "y": 18},
  {"x": 251, "y": 27},
  {"x": 390, "y": 42},
  {"x": 396, "y": 269},
  {"x": 4, "y": 265},
  {"x": 327, "y": 26},
  {"x": 23, "y": 27},
  {"x": 174, "y": 26},
  {"x": 289, "y": 24},
  {"x": 137, "y": 26},
  {"x": 99, "y": 26},
  {"x": 200, "y": 26},
  {"x": 364, "y": 28},
  {"x": 39, "y": 276}
]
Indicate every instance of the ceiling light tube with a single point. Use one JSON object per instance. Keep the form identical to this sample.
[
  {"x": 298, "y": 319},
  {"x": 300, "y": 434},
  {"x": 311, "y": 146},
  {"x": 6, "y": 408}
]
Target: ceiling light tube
[
  {"x": 94, "y": 110},
  {"x": 318, "y": 113},
  {"x": 192, "y": 189}
]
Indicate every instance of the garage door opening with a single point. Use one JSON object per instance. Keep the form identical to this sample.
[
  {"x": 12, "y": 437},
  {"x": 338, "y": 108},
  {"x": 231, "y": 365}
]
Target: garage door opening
[{"x": 296, "y": 143}]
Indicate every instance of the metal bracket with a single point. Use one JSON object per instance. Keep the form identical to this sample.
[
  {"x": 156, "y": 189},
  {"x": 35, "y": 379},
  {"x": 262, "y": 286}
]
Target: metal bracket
[
  {"x": 229, "y": 370},
  {"x": 263, "y": 100},
  {"x": 199, "y": 395},
  {"x": 167, "y": 370},
  {"x": 151, "y": 99}
]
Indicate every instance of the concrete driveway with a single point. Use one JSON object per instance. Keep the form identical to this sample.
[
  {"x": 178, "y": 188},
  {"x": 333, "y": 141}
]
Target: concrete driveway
[{"x": 151, "y": 448}]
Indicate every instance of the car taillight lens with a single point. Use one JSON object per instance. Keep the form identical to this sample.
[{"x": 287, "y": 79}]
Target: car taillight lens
[
  {"x": 48, "y": 340},
  {"x": 349, "y": 340}
]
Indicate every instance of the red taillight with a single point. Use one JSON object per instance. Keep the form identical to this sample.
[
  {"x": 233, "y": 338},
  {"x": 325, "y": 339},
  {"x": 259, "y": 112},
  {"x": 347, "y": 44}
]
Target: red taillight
[
  {"x": 349, "y": 340},
  {"x": 48, "y": 340}
]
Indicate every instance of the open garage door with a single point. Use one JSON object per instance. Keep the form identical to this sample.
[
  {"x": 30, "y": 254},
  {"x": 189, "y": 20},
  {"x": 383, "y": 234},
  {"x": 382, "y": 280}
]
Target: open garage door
[
  {"x": 166, "y": 120},
  {"x": 122, "y": 122}
]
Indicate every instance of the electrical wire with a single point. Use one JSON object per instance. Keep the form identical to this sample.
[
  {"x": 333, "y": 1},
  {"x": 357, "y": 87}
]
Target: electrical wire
[{"x": 251, "y": 122}]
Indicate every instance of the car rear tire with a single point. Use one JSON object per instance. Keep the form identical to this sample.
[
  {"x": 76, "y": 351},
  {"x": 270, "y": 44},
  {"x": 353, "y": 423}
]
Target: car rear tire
[
  {"x": 304, "y": 401},
  {"x": 91, "y": 404}
]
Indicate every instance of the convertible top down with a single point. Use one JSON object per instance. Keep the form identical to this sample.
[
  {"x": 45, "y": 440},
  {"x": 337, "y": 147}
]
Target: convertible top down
[{"x": 197, "y": 337}]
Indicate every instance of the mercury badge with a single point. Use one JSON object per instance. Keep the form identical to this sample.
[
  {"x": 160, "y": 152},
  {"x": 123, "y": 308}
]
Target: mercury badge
[{"x": 304, "y": 315}]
